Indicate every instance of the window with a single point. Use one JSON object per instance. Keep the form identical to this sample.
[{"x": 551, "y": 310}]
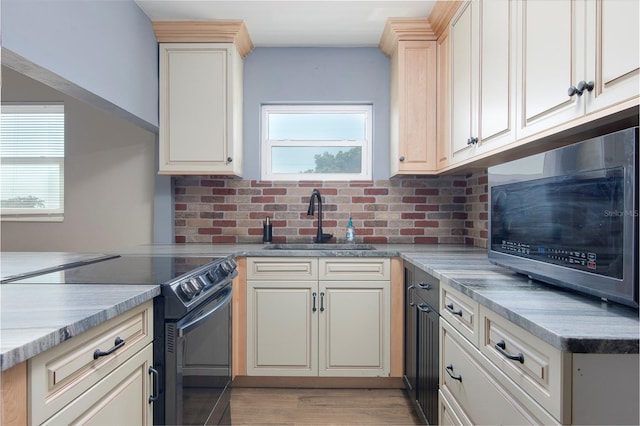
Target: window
[
  {"x": 316, "y": 142},
  {"x": 32, "y": 162}
]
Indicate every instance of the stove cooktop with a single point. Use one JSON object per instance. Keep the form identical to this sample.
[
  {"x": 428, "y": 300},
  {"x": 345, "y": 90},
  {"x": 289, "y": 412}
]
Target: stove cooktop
[{"x": 137, "y": 270}]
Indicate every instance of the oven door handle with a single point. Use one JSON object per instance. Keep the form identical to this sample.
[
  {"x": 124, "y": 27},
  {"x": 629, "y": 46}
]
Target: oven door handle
[{"x": 201, "y": 318}]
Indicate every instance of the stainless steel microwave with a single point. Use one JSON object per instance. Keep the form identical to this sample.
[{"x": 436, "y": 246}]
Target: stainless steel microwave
[{"x": 569, "y": 217}]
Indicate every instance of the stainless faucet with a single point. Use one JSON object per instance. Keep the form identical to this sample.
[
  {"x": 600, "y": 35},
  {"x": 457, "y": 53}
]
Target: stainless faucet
[{"x": 320, "y": 236}]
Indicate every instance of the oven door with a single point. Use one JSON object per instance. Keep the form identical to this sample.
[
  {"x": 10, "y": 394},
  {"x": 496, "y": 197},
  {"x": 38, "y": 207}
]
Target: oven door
[{"x": 198, "y": 364}]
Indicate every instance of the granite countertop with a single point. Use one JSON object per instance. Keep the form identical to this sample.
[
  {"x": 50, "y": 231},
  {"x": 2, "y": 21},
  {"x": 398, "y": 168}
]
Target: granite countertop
[
  {"x": 16, "y": 264},
  {"x": 34, "y": 318}
]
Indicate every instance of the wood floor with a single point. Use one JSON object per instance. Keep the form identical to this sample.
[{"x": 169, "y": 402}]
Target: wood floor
[{"x": 295, "y": 406}]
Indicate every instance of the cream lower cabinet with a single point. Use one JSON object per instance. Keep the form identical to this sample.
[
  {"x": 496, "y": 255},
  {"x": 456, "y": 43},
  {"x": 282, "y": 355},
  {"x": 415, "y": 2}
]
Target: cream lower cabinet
[
  {"x": 494, "y": 372},
  {"x": 321, "y": 317},
  {"x": 68, "y": 385}
]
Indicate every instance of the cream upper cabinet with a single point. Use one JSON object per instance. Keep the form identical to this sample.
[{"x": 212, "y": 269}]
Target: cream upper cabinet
[
  {"x": 483, "y": 87},
  {"x": 200, "y": 109},
  {"x": 464, "y": 83},
  {"x": 411, "y": 47},
  {"x": 201, "y": 72},
  {"x": 551, "y": 41},
  {"x": 589, "y": 49},
  {"x": 315, "y": 321},
  {"x": 613, "y": 52}
]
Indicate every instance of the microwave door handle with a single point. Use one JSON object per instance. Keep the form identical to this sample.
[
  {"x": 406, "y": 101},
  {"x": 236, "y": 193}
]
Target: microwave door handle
[{"x": 183, "y": 329}]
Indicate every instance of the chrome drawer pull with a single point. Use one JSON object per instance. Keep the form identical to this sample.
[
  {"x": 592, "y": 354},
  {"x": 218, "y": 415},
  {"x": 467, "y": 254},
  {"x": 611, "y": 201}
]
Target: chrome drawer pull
[
  {"x": 116, "y": 345},
  {"x": 450, "y": 309},
  {"x": 449, "y": 370},
  {"x": 501, "y": 346},
  {"x": 425, "y": 286},
  {"x": 156, "y": 385}
]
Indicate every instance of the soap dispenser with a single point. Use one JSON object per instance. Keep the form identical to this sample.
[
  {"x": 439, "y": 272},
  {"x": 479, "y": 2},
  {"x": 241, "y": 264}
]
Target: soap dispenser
[{"x": 351, "y": 234}]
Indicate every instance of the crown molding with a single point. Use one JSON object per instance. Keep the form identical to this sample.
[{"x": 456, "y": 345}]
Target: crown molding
[
  {"x": 441, "y": 15},
  {"x": 204, "y": 32},
  {"x": 404, "y": 29}
]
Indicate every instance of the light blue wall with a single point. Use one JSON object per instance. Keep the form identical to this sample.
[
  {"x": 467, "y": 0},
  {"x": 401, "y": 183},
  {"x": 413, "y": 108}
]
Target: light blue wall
[
  {"x": 103, "y": 52},
  {"x": 316, "y": 75}
]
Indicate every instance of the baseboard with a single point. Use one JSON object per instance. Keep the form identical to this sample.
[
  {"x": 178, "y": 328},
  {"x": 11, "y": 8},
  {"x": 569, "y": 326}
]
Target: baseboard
[{"x": 318, "y": 382}]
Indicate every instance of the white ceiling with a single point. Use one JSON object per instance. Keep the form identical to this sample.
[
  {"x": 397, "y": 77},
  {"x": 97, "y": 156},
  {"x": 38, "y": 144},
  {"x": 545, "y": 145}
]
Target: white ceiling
[{"x": 296, "y": 22}]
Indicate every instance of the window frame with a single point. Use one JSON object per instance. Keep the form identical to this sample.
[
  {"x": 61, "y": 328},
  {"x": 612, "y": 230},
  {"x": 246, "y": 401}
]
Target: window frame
[
  {"x": 267, "y": 144},
  {"x": 39, "y": 214}
]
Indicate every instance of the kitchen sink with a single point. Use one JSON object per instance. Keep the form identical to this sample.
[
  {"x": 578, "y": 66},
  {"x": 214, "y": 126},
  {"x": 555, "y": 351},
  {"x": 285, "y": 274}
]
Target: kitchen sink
[{"x": 325, "y": 246}]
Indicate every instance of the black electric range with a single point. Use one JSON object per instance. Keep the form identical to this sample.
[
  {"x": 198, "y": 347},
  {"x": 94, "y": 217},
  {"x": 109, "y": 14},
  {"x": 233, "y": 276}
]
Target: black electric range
[{"x": 192, "y": 332}]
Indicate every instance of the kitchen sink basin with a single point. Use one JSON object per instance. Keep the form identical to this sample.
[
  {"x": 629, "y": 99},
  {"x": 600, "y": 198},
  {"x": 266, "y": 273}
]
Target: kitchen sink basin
[{"x": 327, "y": 246}]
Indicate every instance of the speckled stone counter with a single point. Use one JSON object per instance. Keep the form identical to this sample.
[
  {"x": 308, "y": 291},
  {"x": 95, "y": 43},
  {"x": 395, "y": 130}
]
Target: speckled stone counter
[
  {"x": 566, "y": 320},
  {"x": 36, "y": 318}
]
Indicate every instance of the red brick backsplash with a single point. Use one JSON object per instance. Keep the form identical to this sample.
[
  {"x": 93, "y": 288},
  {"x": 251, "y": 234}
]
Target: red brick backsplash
[{"x": 412, "y": 209}]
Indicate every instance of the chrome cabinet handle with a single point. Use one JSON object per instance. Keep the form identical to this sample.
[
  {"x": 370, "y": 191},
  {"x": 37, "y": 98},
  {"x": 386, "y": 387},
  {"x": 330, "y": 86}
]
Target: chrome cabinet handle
[
  {"x": 314, "y": 294},
  {"x": 156, "y": 385},
  {"x": 450, "y": 309},
  {"x": 321, "y": 301},
  {"x": 449, "y": 370},
  {"x": 501, "y": 347},
  {"x": 116, "y": 345},
  {"x": 424, "y": 307},
  {"x": 409, "y": 289}
]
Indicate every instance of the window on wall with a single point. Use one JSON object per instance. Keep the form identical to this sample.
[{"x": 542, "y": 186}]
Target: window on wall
[
  {"x": 32, "y": 162},
  {"x": 316, "y": 142}
]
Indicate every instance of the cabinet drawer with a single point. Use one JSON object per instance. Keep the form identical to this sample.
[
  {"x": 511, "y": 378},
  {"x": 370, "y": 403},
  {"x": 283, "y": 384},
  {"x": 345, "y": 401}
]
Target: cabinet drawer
[
  {"x": 120, "y": 399},
  {"x": 282, "y": 268},
  {"x": 427, "y": 287},
  {"x": 449, "y": 412},
  {"x": 61, "y": 374},
  {"x": 355, "y": 269},
  {"x": 485, "y": 395},
  {"x": 536, "y": 366},
  {"x": 461, "y": 311}
]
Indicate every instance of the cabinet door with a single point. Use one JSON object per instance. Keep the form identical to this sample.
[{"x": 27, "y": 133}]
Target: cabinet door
[
  {"x": 410, "y": 333},
  {"x": 478, "y": 392},
  {"x": 354, "y": 328},
  {"x": 443, "y": 112},
  {"x": 120, "y": 398},
  {"x": 497, "y": 74},
  {"x": 613, "y": 52},
  {"x": 282, "y": 328},
  {"x": 196, "y": 110},
  {"x": 414, "y": 107},
  {"x": 552, "y": 60},
  {"x": 464, "y": 82},
  {"x": 428, "y": 364}
]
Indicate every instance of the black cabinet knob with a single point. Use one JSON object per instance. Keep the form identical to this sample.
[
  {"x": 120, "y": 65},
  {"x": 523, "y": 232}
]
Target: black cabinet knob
[
  {"x": 401, "y": 158},
  {"x": 580, "y": 88}
]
